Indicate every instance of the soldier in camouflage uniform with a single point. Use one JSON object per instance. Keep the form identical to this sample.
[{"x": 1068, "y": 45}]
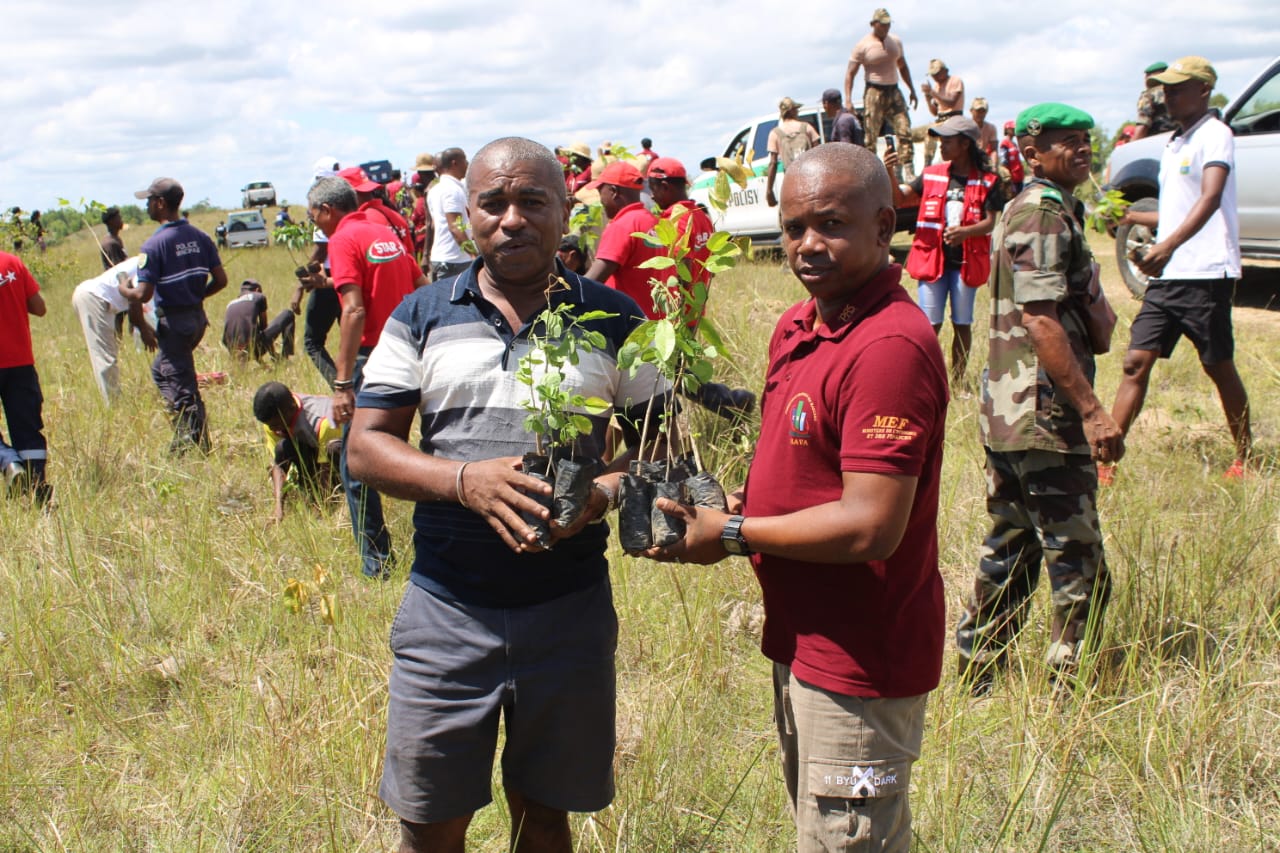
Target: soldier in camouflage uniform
[
  {"x": 1153, "y": 116},
  {"x": 1042, "y": 425}
]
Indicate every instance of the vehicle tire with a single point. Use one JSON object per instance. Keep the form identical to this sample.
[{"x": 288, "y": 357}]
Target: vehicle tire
[
  {"x": 1135, "y": 238},
  {"x": 238, "y": 226}
]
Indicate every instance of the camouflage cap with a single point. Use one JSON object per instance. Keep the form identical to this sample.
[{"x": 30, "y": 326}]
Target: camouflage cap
[
  {"x": 881, "y": 16},
  {"x": 979, "y": 104},
  {"x": 1051, "y": 116},
  {"x": 1188, "y": 68},
  {"x": 937, "y": 66}
]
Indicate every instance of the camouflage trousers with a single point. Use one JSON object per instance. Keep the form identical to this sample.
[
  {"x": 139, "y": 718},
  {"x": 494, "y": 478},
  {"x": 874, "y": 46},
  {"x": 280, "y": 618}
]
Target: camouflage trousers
[
  {"x": 881, "y": 104},
  {"x": 1043, "y": 509}
]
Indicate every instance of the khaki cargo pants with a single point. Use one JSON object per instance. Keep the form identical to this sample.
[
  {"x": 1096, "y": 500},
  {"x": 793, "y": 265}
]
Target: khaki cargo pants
[{"x": 847, "y": 762}]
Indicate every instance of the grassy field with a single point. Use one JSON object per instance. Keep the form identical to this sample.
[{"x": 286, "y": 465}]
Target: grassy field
[{"x": 156, "y": 693}]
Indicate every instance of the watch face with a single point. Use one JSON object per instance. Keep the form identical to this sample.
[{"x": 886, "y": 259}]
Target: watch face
[{"x": 733, "y": 546}]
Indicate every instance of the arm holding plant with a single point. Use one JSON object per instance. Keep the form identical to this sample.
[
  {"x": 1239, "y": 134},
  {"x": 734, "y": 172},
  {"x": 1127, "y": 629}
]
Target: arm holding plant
[
  {"x": 866, "y": 524},
  {"x": 379, "y": 453}
]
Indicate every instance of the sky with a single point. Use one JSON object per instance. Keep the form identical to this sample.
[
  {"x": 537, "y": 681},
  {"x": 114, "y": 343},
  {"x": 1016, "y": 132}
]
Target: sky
[{"x": 101, "y": 97}]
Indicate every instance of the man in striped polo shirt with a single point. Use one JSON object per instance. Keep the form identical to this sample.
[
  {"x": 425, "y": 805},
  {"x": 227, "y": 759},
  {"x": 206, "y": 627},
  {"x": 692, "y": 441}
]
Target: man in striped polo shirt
[
  {"x": 491, "y": 625},
  {"x": 181, "y": 267}
]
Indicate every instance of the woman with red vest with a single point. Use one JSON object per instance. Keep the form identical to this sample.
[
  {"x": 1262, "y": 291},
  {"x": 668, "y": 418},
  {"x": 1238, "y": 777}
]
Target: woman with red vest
[{"x": 958, "y": 200}]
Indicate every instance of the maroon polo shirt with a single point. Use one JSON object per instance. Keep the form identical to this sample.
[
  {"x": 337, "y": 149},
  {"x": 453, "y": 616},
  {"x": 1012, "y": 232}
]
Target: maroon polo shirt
[{"x": 867, "y": 393}]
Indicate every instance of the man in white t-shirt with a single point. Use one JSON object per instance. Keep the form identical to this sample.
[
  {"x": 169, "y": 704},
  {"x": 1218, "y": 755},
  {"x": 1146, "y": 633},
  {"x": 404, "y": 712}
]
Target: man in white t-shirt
[
  {"x": 1195, "y": 261},
  {"x": 447, "y": 205},
  {"x": 97, "y": 302}
]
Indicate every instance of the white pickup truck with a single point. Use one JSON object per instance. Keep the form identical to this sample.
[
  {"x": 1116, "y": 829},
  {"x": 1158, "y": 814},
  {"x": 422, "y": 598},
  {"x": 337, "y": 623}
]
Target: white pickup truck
[{"x": 747, "y": 213}]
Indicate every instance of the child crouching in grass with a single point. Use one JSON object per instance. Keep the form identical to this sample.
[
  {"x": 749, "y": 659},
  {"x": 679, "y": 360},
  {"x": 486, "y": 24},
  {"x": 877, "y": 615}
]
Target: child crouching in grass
[{"x": 302, "y": 436}]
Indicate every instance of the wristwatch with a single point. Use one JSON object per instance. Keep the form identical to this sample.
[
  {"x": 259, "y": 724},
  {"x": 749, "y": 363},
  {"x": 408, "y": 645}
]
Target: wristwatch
[{"x": 732, "y": 539}]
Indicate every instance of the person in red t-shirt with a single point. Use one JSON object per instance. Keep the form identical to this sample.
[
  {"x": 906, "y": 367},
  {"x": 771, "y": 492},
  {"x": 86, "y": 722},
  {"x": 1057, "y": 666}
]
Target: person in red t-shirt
[
  {"x": 375, "y": 209},
  {"x": 619, "y": 254},
  {"x": 372, "y": 272},
  {"x": 669, "y": 185},
  {"x": 841, "y": 507},
  {"x": 19, "y": 382}
]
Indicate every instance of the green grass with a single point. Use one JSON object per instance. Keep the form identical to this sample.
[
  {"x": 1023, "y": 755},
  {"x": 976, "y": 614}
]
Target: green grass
[{"x": 156, "y": 693}]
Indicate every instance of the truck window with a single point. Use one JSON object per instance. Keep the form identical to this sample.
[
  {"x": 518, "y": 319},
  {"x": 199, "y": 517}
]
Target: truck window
[
  {"x": 1261, "y": 113},
  {"x": 761, "y": 143},
  {"x": 738, "y": 146},
  {"x": 820, "y": 123}
]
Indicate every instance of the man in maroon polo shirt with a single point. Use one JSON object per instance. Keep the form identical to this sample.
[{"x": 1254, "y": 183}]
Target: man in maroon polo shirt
[
  {"x": 372, "y": 272},
  {"x": 840, "y": 511},
  {"x": 619, "y": 254}
]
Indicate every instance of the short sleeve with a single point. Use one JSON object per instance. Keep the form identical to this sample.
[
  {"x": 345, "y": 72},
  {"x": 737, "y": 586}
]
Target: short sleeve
[
  {"x": 814, "y": 138},
  {"x": 1038, "y": 245},
  {"x": 771, "y": 147},
  {"x": 616, "y": 241},
  {"x": 1220, "y": 148},
  {"x": 995, "y": 199},
  {"x": 30, "y": 286},
  {"x": 394, "y": 374},
  {"x": 886, "y": 424},
  {"x": 343, "y": 261},
  {"x": 454, "y": 201}
]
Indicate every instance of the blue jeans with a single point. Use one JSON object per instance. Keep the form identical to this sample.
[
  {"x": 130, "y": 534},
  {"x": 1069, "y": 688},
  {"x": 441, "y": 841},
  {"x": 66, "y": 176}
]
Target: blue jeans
[
  {"x": 365, "y": 505},
  {"x": 933, "y": 299}
]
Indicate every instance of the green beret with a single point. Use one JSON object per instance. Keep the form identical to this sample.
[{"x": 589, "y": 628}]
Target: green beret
[
  {"x": 1156, "y": 68},
  {"x": 1035, "y": 120}
]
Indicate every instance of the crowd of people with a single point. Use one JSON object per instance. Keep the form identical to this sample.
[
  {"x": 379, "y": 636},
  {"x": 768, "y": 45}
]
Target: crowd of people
[{"x": 435, "y": 284}]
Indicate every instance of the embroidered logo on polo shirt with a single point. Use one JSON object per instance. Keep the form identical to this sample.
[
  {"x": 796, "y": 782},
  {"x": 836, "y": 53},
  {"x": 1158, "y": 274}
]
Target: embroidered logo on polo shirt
[
  {"x": 889, "y": 428},
  {"x": 381, "y": 251},
  {"x": 801, "y": 409}
]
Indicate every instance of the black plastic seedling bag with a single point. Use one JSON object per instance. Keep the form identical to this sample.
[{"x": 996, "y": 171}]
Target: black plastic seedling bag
[
  {"x": 536, "y": 466},
  {"x": 635, "y": 502},
  {"x": 704, "y": 490},
  {"x": 573, "y": 487},
  {"x": 667, "y": 529}
]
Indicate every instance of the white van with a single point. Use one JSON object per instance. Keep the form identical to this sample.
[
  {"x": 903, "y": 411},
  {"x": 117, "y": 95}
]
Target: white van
[{"x": 747, "y": 213}]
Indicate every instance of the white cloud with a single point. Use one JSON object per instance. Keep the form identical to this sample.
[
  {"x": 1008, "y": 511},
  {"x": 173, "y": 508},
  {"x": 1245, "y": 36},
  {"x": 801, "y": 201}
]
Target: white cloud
[{"x": 101, "y": 97}]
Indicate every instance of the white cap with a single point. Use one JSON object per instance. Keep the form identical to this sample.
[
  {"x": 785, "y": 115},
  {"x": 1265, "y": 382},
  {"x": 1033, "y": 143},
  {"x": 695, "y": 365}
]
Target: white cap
[{"x": 325, "y": 167}]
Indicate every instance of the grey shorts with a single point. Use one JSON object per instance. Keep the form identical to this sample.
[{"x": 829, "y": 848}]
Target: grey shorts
[{"x": 547, "y": 670}]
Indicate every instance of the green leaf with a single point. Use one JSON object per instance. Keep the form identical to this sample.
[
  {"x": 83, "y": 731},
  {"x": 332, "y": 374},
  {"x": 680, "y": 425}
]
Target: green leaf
[
  {"x": 718, "y": 241},
  {"x": 664, "y": 339},
  {"x": 581, "y": 423},
  {"x": 710, "y": 333},
  {"x": 702, "y": 370},
  {"x": 666, "y": 232},
  {"x": 658, "y": 262},
  {"x": 596, "y": 405}
]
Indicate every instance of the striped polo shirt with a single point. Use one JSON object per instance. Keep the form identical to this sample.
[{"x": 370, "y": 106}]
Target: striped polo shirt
[
  {"x": 450, "y": 353},
  {"x": 177, "y": 260}
]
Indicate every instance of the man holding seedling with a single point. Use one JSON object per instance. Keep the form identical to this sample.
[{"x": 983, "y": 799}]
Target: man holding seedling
[
  {"x": 839, "y": 515},
  {"x": 492, "y": 626},
  {"x": 1195, "y": 261},
  {"x": 1042, "y": 426}
]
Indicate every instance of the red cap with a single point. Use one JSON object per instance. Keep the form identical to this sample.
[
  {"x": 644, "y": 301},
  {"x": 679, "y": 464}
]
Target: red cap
[
  {"x": 618, "y": 174},
  {"x": 667, "y": 167},
  {"x": 394, "y": 187},
  {"x": 360, "y": 182},
  {"x": 1008, "y": 125}
]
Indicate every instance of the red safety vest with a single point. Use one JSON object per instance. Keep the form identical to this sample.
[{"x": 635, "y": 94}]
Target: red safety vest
[
  {"x": 926, "y": 262},
  {"x": 1011, "y": 160}
]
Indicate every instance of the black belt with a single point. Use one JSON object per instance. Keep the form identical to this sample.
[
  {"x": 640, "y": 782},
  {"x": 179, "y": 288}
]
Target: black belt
[
  {"x": 949, "y": 114},
  {"x": 178, "y": 309},
  {"x": 883, "y": 87}
]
